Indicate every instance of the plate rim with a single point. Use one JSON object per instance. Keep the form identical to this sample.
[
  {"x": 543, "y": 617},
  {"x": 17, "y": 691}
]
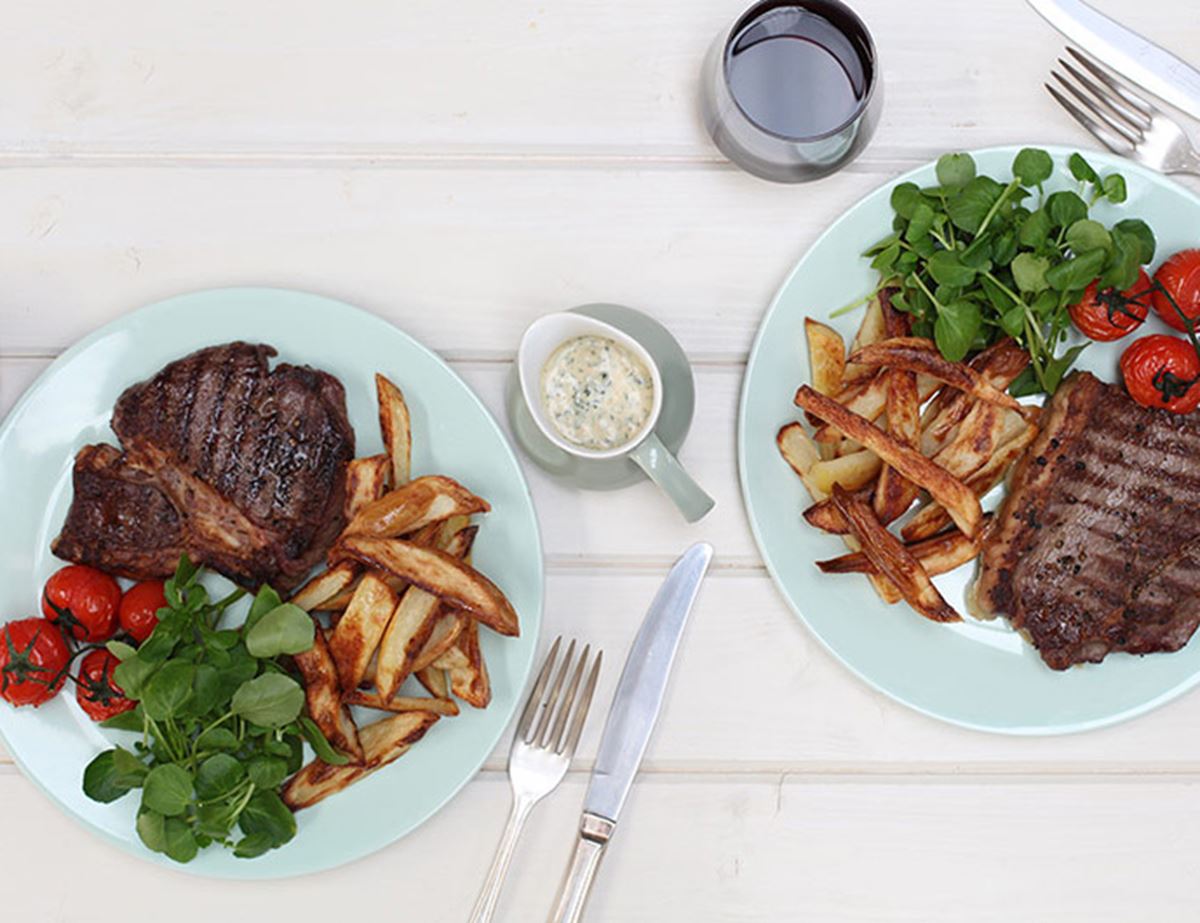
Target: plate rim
[
  {"x": 1059, "y": 152},
  {"x": 255, "y": 872}
]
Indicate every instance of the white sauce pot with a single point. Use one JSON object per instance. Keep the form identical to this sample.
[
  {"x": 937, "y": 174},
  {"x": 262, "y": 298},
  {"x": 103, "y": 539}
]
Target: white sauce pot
[{"x": 540, "y": 341}]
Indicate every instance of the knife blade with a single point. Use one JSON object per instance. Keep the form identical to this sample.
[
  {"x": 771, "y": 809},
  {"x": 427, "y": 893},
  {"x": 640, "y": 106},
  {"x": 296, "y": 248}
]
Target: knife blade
[
  {"x": 1125, "y": 52},
  {"x": 643, "y": 684},
  {"x": 630, "y": 723}
]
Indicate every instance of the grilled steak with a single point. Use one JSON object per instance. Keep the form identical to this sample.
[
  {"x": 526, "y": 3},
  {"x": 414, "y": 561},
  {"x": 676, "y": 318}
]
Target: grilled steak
[
  {"x": 250, "y": 461},
  {"x": 1098, "y": 545}
]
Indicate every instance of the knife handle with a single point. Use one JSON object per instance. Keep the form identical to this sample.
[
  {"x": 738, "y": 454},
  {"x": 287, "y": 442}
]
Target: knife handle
[{"x": 594, "y": 833}]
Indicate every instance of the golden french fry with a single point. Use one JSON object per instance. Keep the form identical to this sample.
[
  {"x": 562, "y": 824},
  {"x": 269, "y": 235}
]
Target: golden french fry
[
  {"x": 464, "y": 665},
  {"x": 916, "y": 354},
  {"x": 975, "y": 441},
  {"x": 872, "y": 329},
  {"x": 895, "y": 493},
  {"x": 445, "y": 632},
  {"x": 999, "y": 364},
  {"x": 323, "y": 697},
  {"x": 893, "y": 560},
  {"x": 799, "y": 451},
  {"x": 384, "y": 742},
  {"x": 411, "y": 626},
  {"x": 871, "y": 402},
  {"x": 435, "y": 682},
  {"x": 357, "y": 633},
  {"x": 948, "y": 490},
  {"x": 396, "y": 429},
  {"x": 402, "y": 703},
  {"x": 412, "y": 506},
  {"x": 851, "y": 471},
  {"x": 932, "y": 518},
  {"x": 326, "y": 585},
  {"x": 826, "y": 356},
  {"x": 938, "y": 555},
  {"x": 437, "y": 573},
  {"x": 366, "y": 481}
]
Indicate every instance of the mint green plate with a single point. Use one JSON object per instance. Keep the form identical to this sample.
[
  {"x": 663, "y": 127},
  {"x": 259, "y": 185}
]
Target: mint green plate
[
  {"x": 977, "y": 674},
  {"x": 453, "y": 434}
]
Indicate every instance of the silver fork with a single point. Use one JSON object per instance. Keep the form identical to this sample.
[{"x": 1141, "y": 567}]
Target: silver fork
[
  {"x": 540, "y": 755},
  {"x": 1125, "y": 122}
]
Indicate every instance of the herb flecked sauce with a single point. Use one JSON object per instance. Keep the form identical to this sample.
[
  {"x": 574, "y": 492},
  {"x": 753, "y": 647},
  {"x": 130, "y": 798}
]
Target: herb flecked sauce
[{"x": 596, "y": 393}]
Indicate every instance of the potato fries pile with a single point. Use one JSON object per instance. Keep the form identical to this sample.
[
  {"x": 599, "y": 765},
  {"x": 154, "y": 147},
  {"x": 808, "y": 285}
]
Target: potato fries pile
[
  {"x": 897, "y": 424},
  {"x": 402, "y": 600}
]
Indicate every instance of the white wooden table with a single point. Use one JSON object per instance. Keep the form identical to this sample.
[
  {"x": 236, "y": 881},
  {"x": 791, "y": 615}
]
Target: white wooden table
[{"x": 461, "y": 168}]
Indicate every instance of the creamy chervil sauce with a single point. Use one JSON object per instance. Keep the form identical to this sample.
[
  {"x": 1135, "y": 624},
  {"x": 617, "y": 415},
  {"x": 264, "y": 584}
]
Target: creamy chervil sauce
[{"x": 596, "y": 393}]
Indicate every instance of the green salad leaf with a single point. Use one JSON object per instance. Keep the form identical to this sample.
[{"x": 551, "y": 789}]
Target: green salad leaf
[
  {"x": 975, "y": 258},
  {"x": 219, "y": 720}
]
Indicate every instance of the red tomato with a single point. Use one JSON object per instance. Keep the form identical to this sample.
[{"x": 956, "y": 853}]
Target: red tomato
[
  {"x": 83, "y": 601},
  {"x": 139, "y": 608},
  {"x": 1109, "y": 315},
  {"x": 1180, "y": 276},
  {"x": 1162, "y": 371},
  {"x": 33, "y": 661},
  {"x": 95, "y": 690}
]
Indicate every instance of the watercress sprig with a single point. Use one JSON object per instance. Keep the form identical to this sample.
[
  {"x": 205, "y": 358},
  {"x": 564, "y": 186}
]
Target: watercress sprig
[
  {"x": 220, "y": 723},
  {"x": 974, "y": 258}
]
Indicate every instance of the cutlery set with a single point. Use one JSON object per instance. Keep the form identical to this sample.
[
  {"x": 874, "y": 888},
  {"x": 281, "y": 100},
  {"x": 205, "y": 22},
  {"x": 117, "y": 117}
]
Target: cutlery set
[
  {"x": 1119, "y": 117},
  {"x": 552, "y": 723}
]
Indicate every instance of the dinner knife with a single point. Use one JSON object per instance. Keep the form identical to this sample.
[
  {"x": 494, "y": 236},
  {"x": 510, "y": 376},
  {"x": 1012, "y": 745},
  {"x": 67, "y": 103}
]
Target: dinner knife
[
  {"x": 1125, "y": 52},
  {"x": 630, "y": 722}
]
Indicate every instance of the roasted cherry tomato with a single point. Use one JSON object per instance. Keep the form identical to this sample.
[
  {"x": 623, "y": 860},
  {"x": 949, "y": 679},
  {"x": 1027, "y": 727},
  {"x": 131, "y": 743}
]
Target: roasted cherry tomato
[
  {"x": 1162, "y": 371},
  {"x": 33, "y": 661},
  {"x": 1180, "y": 276},
  {"x": 1109, "y": 315},
  {"x": 139, "y": 608},
  {"x": 95, "y": 690},
  {"x": 83, "y": 601}
]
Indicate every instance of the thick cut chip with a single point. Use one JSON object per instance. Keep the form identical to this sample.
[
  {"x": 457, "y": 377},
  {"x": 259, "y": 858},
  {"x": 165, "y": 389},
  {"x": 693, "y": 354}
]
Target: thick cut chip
[
  {"x": 891, "y": 559},
  {"x": 826, "y": 356},
  {"x": 325, "y": 586},
  {"x": 467, "y": 671},
  {"x": 357, "y": 633},
  {"x": 801, "y": 453},
  {"x": 438, "y": 573},
  {"x": 916, "y": 354},
  {"x": 324, "y": 698},
  {"x": 396, "y": 429},
  {"x": 415, "y": 505},
  {"x": 445, "y": 632},
  {"x": 366, "y": 481},
  {"x": 945, "y": 488},
  {"x": 872, "y": 329},
  {"x": 412, "y": 624},
  {"x": 938, "y": 555},
  {"x": 435, "y": 682},
  {"x": 383, "y": 742},
  {"x": 402, "y": 703},
  {"x": 895, "y": 493},
  {"x": 933, "y": 518},
  {"x": 851, "y": 471}
]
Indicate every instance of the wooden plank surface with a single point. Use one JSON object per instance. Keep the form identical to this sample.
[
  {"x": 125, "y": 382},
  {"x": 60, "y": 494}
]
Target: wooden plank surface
[{"x": 750, "y": 849}]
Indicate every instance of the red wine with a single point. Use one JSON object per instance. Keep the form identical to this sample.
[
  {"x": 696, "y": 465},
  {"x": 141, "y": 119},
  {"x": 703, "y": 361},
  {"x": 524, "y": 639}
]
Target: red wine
[{"x": 797, "y": 71}]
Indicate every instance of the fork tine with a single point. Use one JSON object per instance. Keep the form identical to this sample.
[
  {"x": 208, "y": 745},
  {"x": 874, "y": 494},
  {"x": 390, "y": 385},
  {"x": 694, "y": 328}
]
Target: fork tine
[
  {"x": 1111, "y": 141},
  {"x": 1118, "y": 107},
  {"x": 1140, "y": 103},
  {"x": 581, "y": 709},
  {"x": 535, "y": 694},
  {"x": 553, "y": 698},
  {"x": 555, "y": 737},
  {"x": 1132, "y": 135}
]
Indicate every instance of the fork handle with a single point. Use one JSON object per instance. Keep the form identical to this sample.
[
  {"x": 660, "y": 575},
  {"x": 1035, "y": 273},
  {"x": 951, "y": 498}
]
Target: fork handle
[
  {"x": 489, "y": 897},
  {"x": 594, "y": 834}
]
